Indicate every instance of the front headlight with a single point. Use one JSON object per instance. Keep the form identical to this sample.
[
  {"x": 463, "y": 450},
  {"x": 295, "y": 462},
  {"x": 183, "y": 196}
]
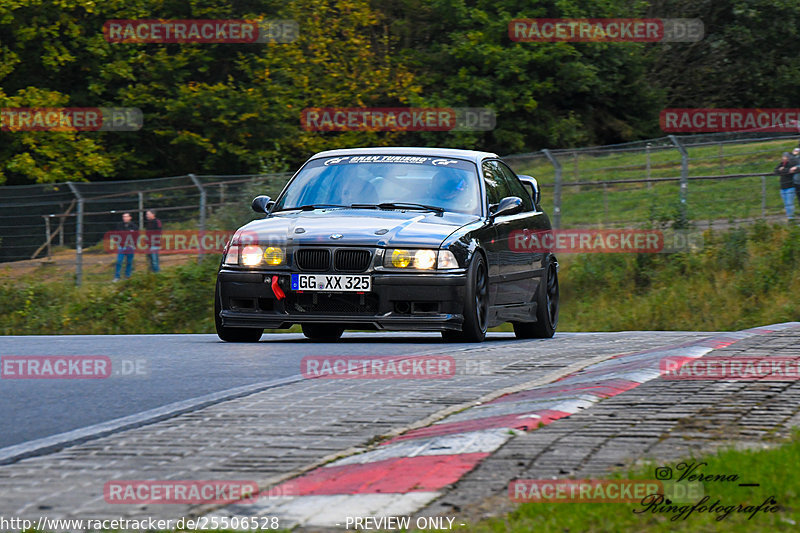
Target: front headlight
[
  {"x": 419, "y": 259},
  {"x": 251, "y": 255}
]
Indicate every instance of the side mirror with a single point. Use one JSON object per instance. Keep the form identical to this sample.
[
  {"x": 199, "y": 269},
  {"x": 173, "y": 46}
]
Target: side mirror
[
  {"x": 261, "y": 204},
  {"x": 533, "y": 185},
  {"x": 508, "y": 206}
]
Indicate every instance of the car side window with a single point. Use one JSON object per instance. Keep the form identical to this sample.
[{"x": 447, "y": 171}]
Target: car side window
[
  {"x": 515, "y": 186},
  {"x": 496, "y": 186}
]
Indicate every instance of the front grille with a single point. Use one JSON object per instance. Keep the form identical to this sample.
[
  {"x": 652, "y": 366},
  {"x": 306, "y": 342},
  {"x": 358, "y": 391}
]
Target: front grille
[
  {"x": 351, "y": 260},
  {"x": 357, "y": 304},
  {"x": 314, "y": 260}
]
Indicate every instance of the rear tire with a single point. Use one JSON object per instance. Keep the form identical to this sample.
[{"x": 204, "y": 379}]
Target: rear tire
[
  {"x": 232, "y": 334},
  {"x": 322, "y": 332},
  {"x": 476, "y": 306},
  {"x": 547, "y": 306}
]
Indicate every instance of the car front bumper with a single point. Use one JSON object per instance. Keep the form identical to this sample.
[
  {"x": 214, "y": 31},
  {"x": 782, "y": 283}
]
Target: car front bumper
[{"x": 397, "y": 302}]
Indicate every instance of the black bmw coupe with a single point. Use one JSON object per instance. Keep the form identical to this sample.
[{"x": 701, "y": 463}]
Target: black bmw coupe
[{"x": 391, "y": 239}]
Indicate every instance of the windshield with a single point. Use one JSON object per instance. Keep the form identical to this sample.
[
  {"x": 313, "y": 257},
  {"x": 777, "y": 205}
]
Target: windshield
[{"x": 451, "y": 184}]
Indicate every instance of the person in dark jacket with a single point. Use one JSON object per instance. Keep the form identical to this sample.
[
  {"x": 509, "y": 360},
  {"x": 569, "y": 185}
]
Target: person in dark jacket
[
  {"x": 153, "y": 226},
  {"x": 784, "y": 170},
  {"x": 125, "y": 228}
]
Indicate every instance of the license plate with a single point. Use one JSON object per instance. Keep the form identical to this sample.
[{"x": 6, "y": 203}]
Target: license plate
[{"x": 331, "y": 282}]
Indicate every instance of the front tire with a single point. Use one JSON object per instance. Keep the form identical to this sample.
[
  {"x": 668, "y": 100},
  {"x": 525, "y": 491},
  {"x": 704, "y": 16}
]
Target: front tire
[
  {"x": 322, "y": 332},
  {"x": 547, "y": 306},
  {"x": 232, "y": 334},
  {"x": 476, "y": 307}
]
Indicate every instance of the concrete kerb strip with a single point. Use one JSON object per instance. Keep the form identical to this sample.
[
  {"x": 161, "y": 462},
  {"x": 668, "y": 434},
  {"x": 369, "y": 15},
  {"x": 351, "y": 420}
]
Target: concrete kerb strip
[
  {"x": 439, "y": 415},
  {"x": 369, "y": 503}
]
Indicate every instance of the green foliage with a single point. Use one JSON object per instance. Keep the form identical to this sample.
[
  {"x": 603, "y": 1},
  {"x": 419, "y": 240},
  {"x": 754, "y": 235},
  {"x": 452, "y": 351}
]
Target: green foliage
[
  {"x": 178, "y": 300},
  {"x": 228, "y": 108},
  {"x": 741, "y": 278}
]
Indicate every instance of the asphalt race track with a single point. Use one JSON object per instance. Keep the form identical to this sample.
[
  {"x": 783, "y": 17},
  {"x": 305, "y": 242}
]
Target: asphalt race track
[{"x": 190, "y": 407}]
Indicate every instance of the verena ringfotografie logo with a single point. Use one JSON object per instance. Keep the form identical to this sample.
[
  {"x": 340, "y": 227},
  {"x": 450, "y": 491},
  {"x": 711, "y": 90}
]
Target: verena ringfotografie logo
[
  {"x": 593, "y": 30},
  {"x": 684, "y": 120},
  {"x": 169, "y": 242},
  {"x": 168, "y": 492},
  {"x": 71, "y": 119},
  {"x": 69, "y": 367},
  {"x": 600, "y": 490},
  {"x": 398, "y": 119},
  {"x": 731, "y": 368},
  {"x": 201, "y": 31},
  {"x": 360, "y": 367}
]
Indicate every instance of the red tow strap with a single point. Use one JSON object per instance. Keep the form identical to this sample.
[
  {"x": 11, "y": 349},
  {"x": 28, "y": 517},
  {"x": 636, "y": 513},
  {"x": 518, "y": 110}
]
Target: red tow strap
[{"x": 276, "y": 289}]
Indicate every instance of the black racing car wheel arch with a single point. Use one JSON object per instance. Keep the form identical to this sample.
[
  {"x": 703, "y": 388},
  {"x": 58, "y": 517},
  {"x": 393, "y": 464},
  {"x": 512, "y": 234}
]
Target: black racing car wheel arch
[
  {"x": 232, "y": 334},
  {"x": 322, "y": 332},
  {"x": 547, "y": 306},
  {"x": 476, "y": 304}
]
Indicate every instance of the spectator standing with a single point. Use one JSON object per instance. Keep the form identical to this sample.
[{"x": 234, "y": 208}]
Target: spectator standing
[
  {"x": 796, "y": 170},
  {"x": 784, "y": 170},
  {"x": 153, "y": 227},
  {"x": 127, "y": 229}
]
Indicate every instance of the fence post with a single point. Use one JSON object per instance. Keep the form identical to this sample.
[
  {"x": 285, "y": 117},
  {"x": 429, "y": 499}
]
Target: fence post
[
  {"x": 61, "y": 232},
  {"x": 202, "y": 217},
  {"x": 556, "y": 188},
  {"x": 647, "y": 152},
  {"x": 141, "y": 210},
  {"x": 78, "y": 235},
  {"x": 763, "y": 197},
  {"x": 684, "y": 177},
  {"x": 576, "y": 172},
  {"x": 721, "y": 160},
  {"x": 47, "y": 234}
]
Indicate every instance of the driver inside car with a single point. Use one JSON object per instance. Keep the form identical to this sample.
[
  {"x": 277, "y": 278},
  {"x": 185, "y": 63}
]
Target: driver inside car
[{"x": 449, "y": 189}]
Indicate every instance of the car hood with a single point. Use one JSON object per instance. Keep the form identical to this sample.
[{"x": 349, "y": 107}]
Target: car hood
[{"x": 357, "y": 227}]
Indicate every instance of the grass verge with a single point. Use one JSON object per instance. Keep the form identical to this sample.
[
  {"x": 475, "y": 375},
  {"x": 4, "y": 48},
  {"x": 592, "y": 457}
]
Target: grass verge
[
  {"x": 741, "y": 278},
  {"x": 771, "y": 469}
]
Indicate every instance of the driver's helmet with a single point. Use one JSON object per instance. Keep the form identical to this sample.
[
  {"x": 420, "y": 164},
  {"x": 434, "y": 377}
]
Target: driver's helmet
[{"x": 447, "y": 184}]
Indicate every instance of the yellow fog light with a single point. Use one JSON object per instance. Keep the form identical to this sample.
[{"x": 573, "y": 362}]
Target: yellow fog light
[
  {"x": 251, "y": 255},
  {"x": 424, "y": 259},
  {"x": 401, "y": 258},
  {"x": 273, "y": 256}
]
